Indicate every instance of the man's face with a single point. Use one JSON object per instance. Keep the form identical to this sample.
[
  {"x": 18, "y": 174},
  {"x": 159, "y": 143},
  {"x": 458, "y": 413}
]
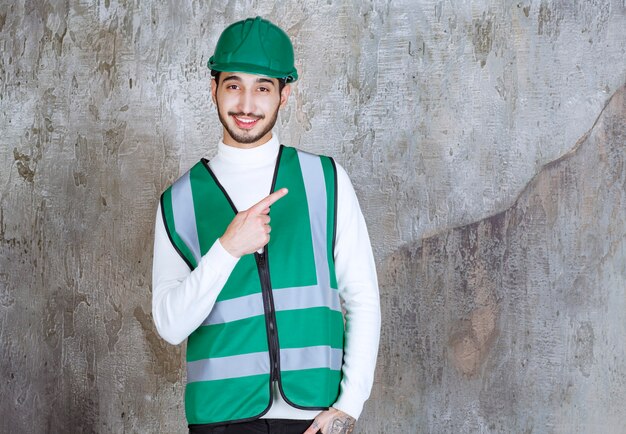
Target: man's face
[{"x": 247, "y": 106}]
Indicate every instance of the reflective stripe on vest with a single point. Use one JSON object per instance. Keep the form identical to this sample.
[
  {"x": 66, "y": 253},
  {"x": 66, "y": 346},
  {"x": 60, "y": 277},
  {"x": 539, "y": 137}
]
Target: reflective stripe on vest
[
  {"x": 291, "y": 359},
  {"x": 185, "y": 216}
]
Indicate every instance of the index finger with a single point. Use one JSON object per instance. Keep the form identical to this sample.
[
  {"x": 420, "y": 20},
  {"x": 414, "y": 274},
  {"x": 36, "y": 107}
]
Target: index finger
[{"x": 267, "y": 201}]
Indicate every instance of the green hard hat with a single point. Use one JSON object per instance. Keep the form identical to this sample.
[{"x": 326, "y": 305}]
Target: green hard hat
[{"x": 255, "y": 46}]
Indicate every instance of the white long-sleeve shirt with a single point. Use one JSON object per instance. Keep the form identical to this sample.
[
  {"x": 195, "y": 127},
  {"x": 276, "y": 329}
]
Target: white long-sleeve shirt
[{"x": 182, "y": 299}]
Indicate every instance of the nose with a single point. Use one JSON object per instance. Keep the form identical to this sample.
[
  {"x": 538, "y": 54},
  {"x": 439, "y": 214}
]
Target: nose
[{"x": 246, "y": 102}]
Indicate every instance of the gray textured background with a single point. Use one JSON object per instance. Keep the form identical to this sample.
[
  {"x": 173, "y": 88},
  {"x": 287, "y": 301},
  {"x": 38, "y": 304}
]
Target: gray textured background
[{"x": 486, "y": 142}]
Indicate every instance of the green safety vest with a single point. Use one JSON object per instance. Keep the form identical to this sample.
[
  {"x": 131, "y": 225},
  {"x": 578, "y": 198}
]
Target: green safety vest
[{"x": 278, "y": 317}]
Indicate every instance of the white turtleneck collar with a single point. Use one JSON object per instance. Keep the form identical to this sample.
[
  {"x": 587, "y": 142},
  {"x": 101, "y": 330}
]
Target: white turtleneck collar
[{"x": 253, "y": 157}]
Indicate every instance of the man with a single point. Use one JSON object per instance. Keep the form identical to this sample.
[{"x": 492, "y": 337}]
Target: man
[{"x": 267, "y": 350}]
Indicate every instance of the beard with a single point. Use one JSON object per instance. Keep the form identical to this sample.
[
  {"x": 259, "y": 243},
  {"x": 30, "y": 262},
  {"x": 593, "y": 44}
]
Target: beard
[{"x": 246, "y": 137}]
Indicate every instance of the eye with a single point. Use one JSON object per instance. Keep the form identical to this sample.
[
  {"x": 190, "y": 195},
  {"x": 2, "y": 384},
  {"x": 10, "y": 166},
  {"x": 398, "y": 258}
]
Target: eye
[
  {"x": 232, "y": 86},
  {"x": 264, "y": 89}
]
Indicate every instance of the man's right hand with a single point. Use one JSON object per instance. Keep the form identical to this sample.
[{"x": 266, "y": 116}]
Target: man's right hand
[{"x": 250, "y": 230}]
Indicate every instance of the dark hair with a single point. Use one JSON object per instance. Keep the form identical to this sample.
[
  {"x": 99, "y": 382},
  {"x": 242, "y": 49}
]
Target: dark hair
[{"x": 281, "y": 81}]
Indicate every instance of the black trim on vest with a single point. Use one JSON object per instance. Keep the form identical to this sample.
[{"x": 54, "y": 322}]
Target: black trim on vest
[
  {"x": 263, "y": 267},
  {"x": 169, "y": 235},
  {"x": 270, "y": 315},
  {"x": 205, "y": 162},
  {"x": 332, "y": 161},
  {"x": 280, "y": 154}
]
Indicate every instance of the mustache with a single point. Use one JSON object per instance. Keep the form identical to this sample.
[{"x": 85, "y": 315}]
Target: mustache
[{"x": 250, "y": 115}]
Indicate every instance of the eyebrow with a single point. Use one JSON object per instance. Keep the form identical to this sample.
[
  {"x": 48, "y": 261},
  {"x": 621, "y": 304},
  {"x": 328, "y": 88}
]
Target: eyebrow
[
  {"x": 232, "y": 77},
  {"x": 238, "y": 79}
]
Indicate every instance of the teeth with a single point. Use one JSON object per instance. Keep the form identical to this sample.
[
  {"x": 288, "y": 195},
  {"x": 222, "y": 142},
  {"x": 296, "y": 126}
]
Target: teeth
[{"x": 246, "y": 121}]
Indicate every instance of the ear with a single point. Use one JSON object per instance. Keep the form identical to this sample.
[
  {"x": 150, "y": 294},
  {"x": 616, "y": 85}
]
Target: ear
[
  {"x": 284, "y": 95},
  {"x": 213, "y": 89}
]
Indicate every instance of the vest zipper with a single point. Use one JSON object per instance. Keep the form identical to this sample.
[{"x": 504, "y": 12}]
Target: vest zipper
[{"x": 270, "y": 313}]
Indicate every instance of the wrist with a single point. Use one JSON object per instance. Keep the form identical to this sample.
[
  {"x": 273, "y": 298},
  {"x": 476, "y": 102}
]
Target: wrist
[
  {"x": 225, "y": 242},
  {"x": 352, "y": 412}
]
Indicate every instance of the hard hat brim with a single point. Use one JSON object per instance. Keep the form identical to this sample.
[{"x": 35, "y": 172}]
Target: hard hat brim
[{"x": 288, "y": 76}]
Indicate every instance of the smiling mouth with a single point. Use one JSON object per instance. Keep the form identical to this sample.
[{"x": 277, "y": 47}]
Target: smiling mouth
[{"x": 244, "y": 121}]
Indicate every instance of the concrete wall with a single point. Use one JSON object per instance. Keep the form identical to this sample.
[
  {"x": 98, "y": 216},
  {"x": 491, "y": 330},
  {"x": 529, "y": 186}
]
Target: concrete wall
[{"x": 485, "y": 140}]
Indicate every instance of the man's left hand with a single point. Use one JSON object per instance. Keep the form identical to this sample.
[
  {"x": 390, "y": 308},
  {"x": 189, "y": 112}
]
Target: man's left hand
[{"x": 332, "y": 421}]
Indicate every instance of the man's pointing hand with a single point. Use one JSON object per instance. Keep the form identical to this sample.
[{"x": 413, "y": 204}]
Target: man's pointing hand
[{"x": 250, "y": 230}]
